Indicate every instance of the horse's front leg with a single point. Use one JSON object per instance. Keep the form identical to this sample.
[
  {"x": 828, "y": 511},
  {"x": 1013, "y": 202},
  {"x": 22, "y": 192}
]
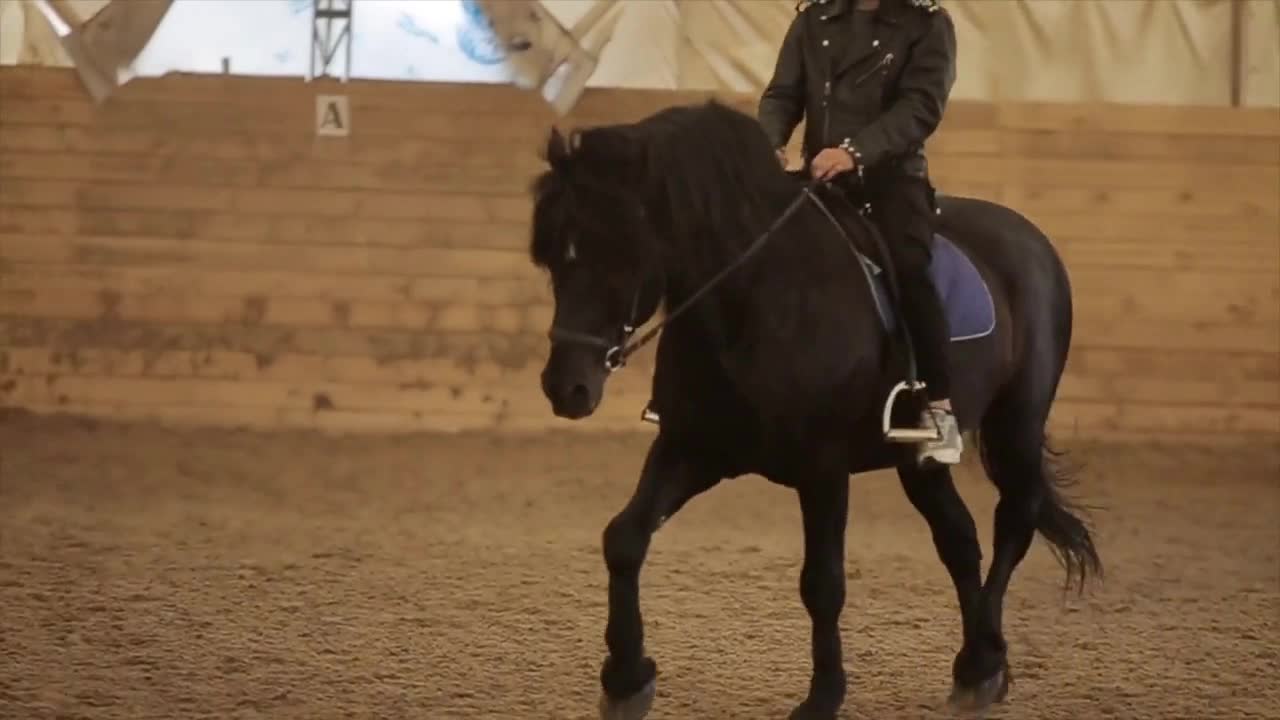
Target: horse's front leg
[
  {"x": 669, "y": 479},
  {"x": 824, "y": 503},
  {"x": 932, "y": 492}
]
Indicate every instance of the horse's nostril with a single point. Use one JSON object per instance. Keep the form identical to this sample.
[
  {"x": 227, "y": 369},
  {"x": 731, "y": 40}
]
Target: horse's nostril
[{"x": 579, "y": 393}]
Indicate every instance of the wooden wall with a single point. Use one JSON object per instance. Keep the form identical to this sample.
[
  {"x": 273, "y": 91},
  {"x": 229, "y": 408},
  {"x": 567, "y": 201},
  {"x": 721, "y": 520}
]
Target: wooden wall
[{"x": 190, "y": 252}]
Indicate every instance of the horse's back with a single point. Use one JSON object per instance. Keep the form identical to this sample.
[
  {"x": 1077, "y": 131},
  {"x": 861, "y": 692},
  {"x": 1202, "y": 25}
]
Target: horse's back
[{"x": 1000, "y": 240}]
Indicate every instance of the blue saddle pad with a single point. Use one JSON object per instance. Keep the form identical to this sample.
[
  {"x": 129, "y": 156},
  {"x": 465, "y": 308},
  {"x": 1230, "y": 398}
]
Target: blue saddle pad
[{"x": 966, "y": 299}]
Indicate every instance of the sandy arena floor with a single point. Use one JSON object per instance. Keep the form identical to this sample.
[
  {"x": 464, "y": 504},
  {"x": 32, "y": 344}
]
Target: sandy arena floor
[{"x": 147, "y": 573}]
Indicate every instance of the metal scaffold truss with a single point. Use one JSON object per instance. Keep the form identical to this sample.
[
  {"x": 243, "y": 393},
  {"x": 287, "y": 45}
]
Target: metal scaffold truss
[{"x": 330, "y": 37}]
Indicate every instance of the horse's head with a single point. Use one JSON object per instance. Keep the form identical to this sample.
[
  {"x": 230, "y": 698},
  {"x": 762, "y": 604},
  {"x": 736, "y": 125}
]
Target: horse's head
[{"x": 591, "y": 234}]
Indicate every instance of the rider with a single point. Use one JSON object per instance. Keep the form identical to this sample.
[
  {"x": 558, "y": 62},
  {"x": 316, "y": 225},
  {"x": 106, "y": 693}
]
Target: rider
[{"x": 872, "y": 77}]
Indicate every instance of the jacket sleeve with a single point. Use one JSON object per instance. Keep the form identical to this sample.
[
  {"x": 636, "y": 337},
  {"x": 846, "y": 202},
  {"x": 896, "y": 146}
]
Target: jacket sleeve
[
  {"x": 923, "y": 90},
  {"x": 782, "y": 103}
]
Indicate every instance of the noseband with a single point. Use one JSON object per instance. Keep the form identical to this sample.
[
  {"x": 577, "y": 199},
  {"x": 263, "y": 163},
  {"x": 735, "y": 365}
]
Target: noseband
[{"x": 616, "y": 352}]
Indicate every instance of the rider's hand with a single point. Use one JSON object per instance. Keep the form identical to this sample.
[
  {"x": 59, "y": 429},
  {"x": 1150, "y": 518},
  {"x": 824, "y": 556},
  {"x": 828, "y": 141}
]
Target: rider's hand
[{"x": 830, "y": 163}]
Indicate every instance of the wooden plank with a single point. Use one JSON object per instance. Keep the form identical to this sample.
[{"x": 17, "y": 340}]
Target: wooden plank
[
  {"x": 177, "y": 209},
  {"x": 1161, "y": 146},
  {"x": 339, "y": 422},
  {"x": 487, "y": 171},
  {"x": 1041, "y": 196},
  {"x": 294, "y": 313},
  {"x": 411, "y": 98},
  {"x": 144, "y": 145},
  {"x": 1099, "y": 419},
  {"x": 204, "y": 282},
  {"x": 267, "y": 342},
  {"x": 171, "y": 197},
  {"x": 234, "y": 365},
  {"x": 260, "y": 419},
  {"x": 231, "y": 365},
  {"x": 421, "y": 154},
  {"x": 34, "y": 220},
  {"x": 1258, "y": 183},
  {"x": 351, "y": 259},
  {"x": 1205, "y": 362},
  {"x": 1172, "y": 295},
  {"x": 1201, "y": 285},
  {"x": 1140, "y": 390},
  {"x": 49, "y": 274},
  {"x": 1127, "y": 331},
  {"x": 292, "y": 395},
  {"x": 1069, "y": 420},
  {"x": 295, "y": 113},
  {"x": 1124, "y": 118},
  {"x": 295, "y": 397},
  {"x": 264, "y": 228},
  {"x": 1105, "y": 365},
  {"x": 1080, "y": 384},
  {"x": 19, "y": 193},
  {"x": 500, "y": 99},
  {"x": 1072, "y": 422},
  {"x": 1081, "y": 254},
  {"x": 1255, "y": 230},
  {"x": 491, "y": 175},
  {"x": 1101, "y": 318}
]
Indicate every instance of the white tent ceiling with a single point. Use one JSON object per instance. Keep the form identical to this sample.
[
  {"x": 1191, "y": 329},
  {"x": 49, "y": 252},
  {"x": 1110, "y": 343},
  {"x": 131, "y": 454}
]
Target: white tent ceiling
[{"x": 1147, "y": 51}]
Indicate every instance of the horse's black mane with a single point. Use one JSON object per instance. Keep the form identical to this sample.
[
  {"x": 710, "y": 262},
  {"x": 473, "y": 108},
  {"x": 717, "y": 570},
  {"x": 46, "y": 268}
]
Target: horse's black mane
[{"x": 703, "y": 176}]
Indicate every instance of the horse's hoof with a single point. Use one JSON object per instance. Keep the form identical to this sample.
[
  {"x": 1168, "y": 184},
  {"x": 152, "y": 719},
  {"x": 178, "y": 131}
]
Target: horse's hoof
[
  {"x": 981, "y": 696},
  {"x": 635, "y": 707},
  {"x": 811, "y": 712}
]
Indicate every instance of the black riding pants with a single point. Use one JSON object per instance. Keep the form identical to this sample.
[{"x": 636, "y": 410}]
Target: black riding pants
[{"x": 903, "y": 208}]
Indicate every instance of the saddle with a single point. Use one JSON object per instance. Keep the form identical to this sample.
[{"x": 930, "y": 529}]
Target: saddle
[{"x": 966, "y": 300}]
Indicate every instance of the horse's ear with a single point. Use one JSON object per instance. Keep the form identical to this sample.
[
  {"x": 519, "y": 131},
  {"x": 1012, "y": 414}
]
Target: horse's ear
[{"x": 557, "y": 150}]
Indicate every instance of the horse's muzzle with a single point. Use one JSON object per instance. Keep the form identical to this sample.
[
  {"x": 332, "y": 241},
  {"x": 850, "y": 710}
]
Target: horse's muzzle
[{"x": 570, "y": 398}]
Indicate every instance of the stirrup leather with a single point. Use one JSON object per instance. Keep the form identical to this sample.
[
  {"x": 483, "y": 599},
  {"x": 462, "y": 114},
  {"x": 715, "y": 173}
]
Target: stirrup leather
[{"x": 905, "y": 434}]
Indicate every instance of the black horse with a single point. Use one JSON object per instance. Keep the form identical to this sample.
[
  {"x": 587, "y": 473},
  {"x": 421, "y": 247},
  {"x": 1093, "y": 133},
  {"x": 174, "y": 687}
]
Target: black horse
[{"x": 779, "y": 365}]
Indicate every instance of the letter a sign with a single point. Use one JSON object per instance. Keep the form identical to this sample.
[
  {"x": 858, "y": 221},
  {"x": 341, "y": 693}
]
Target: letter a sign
[{"x": 333, "y": 116}]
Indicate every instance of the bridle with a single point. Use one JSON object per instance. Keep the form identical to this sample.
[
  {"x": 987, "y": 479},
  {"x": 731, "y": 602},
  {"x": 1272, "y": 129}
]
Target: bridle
[
  {"x": 615, "y": 352},
  {"x": 618, "y": 350}
]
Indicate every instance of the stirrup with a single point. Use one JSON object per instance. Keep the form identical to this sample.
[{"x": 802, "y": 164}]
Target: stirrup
[
  {"x": 649, "y": 416},
  {"x": 905, "y": 434}
]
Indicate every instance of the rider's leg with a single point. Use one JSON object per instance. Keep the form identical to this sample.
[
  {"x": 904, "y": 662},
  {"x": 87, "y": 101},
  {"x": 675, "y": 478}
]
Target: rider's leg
[{"x": 905, "y": 209}]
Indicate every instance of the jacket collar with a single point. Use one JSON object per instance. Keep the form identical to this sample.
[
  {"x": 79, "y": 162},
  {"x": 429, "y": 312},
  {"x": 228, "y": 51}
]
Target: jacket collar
[{"x": 890, "y": 11}]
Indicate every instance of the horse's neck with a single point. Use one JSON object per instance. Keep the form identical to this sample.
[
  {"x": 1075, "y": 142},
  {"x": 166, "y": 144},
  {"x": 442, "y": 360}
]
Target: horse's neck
[{"x": 805, "y": 281}]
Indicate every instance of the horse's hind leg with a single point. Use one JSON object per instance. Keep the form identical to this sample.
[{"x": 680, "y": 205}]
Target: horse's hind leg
[
  {"x": 933, "y": 494},
  {"x": 669, "y": 479},
  {"x": 1014, "y": 452}
]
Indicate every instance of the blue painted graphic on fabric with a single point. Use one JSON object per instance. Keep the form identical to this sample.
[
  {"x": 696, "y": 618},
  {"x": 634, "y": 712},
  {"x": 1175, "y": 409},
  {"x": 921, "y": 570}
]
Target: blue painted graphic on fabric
[
  {"x": 407, "y": 25},
  {"x": 476, "y": 37}
]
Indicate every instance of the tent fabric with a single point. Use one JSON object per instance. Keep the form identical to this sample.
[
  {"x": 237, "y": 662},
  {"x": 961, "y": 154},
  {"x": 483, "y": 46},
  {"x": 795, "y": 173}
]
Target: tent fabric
[{"x": 1135, "y": 51}]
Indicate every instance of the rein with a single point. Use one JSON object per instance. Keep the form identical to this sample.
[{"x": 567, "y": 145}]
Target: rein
[{"x": 616, "y": 354}]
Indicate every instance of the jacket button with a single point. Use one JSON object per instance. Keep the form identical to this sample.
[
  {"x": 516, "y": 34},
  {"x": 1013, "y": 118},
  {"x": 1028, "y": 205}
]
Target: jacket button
[
  {"x": 875, "y": 43},
  {"x": 826, "y": 43}
]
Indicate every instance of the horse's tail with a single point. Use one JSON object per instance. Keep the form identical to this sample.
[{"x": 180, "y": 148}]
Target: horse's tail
[
  {"x": 1063, "y": 524},
  {"x": 1059, "y": 519}
]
